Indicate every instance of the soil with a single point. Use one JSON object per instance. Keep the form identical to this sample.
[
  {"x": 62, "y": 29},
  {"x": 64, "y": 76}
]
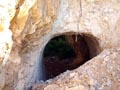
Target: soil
[{"x": 55, "y": 66}]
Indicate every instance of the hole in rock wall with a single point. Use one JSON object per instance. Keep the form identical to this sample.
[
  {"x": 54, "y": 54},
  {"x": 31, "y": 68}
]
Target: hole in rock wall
[{"x": 67, "y": 52}]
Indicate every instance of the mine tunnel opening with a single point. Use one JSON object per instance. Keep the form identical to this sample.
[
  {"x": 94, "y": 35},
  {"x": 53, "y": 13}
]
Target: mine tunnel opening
[{"x": 68, "y": 52}]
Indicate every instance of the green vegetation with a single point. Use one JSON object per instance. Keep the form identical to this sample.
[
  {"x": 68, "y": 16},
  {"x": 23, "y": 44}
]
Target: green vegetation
[{"x": 59, "y": 47}]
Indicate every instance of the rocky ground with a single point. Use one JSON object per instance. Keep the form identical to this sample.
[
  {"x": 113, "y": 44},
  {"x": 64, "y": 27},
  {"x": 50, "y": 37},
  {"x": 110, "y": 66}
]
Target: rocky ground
[
  {"x": 55, "y": 66},
  {"x": 100, "y": 73}
]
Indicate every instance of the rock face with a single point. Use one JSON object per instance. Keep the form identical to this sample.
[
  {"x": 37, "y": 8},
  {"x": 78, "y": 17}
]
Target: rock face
[
  {"x": 101, "y": 73},
  {"x": 26, "y": 27}
]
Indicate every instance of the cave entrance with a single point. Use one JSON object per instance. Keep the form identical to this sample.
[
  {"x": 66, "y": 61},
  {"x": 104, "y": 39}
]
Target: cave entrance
[{"x": 67, "y": 52}]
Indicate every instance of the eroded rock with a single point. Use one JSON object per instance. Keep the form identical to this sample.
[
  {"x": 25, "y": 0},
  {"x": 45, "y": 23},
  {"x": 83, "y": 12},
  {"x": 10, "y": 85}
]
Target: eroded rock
[
  {"x": 26, "y": 26},
  {"x": 101, "y": 73}
]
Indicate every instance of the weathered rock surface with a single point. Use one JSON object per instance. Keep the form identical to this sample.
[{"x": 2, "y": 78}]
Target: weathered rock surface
[
  {"x": 101, "y": 73},
  {"x": 27, "y": 25}
]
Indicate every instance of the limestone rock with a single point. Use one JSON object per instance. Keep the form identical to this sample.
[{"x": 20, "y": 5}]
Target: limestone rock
[
  {"x": 101, "y": 73},
  {"x": 26, "y": 26}
]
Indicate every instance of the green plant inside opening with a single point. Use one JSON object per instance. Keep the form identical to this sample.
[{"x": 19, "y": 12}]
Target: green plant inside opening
[{"x": 59, "y": 47}]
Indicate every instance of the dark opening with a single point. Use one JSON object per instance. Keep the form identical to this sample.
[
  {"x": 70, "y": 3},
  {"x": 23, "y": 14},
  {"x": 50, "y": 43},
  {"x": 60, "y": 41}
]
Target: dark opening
[{"x": 67, "y": 52}]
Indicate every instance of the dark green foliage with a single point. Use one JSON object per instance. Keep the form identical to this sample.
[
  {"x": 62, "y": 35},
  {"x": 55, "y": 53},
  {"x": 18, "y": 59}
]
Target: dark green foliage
[{"x": 59, "y": 47}]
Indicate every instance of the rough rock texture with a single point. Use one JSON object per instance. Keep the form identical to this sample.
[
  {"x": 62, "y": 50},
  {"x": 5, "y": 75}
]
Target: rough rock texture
[
  {"x": 27, "y": 25},
  {"x": 101, "y": 73}
]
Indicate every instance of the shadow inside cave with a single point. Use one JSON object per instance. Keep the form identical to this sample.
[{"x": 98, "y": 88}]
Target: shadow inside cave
[{"x": 68, "y": 52}]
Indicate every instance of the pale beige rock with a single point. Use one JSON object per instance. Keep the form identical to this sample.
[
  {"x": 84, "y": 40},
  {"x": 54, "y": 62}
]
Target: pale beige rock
[
  {"x": 27, "y": 25},
  {"x": 101, "y": 73}
]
